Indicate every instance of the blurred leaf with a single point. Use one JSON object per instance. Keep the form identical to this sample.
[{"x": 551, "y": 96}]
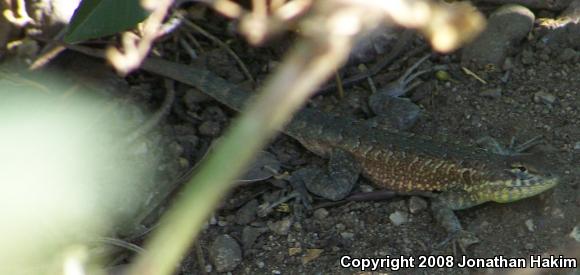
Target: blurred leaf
[{"x": 98, "y": 18}]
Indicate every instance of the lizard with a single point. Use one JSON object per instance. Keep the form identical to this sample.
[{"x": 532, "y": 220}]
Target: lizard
[{"x": 460, "y": 175}]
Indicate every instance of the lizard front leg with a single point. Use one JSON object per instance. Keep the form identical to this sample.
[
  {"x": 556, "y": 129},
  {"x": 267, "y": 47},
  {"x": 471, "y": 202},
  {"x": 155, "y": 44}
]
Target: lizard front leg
[
  {"x": 338, "y": 181},
  {"x": 445, "y": 217}
]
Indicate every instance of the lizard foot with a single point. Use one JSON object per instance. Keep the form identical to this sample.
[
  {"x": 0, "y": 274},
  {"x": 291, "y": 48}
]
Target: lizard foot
[
  {"x": 512, "y": 150},
  {"x": 462, "y": 239},
  {"x": 403, "y": 85},
  {"x": 448, "y": 220},
  {"x": 301, "y": 197},
  {"x": 300, "y": 201},
  {"x": 396, "y": 112}
]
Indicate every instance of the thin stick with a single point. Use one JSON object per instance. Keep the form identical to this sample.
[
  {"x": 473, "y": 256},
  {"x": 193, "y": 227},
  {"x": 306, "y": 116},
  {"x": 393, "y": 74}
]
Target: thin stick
[{"x": 223, "y": 45}]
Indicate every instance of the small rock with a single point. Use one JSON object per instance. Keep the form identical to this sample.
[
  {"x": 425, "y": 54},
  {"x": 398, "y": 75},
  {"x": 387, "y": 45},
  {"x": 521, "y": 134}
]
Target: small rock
[
  {"x": 506, "y": 27},
  {"x": 260, "y": 264},
  {"x": 529, "y": 246},
  {"x": 365, "y": 188},
  {"x": 528, "y": 57},
  {"x": 247, "y": 213},
  {"x": 417, "y": 204},
  {"x": 210, "y": 128},
  {"x": 399, "y": 217},
  {"x": 311, "y": 254},
  {"x": 225, "y": 253},
  {"x": 293, "y": 251},
  {"x": 281, "y": 227},
  {"x": 222, "y": 223},
  {"x": 546, "y": 98},
  {"x": 340, "y": 227},
  {"x": 491, "y": 93},
  {"x": 577, "y": 145},
  {"x": 557, "y": 212},
  {"x": 213, "y": 113},
  {"x": 568, "y": 54},
  {"x": 530, "y": 225},
  {"x": 349, "y": 236},
  {"x": 320, "y": 213},
  {"x": 213, "y": 220},
  {"x": 508, "y": 64},
  {"x": 575, "y": 234},
  {"x": 250, "y": 234}
]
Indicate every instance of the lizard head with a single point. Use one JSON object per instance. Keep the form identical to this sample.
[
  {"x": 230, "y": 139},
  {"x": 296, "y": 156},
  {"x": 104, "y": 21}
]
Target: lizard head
[{"x": 521, "y": 180}]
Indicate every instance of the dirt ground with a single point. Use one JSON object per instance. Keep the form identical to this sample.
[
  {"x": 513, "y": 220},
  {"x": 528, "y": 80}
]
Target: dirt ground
[{"x": 540, "y": 96}]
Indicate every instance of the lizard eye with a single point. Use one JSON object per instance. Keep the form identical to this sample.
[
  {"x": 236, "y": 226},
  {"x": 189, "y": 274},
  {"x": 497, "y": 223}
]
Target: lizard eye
[{"x": 520, "y": 169}]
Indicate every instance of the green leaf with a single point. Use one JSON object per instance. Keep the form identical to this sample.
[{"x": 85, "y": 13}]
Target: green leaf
[{"x": 98, "y": 18}]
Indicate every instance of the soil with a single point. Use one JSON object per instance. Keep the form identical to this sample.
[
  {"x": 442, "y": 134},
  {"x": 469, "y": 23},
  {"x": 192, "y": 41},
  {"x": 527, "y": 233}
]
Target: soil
[{"x": 538, "y": 93}]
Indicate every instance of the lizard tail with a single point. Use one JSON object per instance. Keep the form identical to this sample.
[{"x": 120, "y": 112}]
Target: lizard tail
[{"x": 204, "y": 80}]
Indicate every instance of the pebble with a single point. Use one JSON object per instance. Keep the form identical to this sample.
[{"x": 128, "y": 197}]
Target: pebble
[
  {"x": 209, "y": 128},
  {"x": 222, "y": 223},
  {"x": 491, "y": 93},
  {"x": 250, "y": 234},
  {"x": 365, "y": 188},
  {"x": 543, "y": 97},
  {"x": 293, "y": 251},
  {"x": 281, "y": 227},
  {"x": 399, "y": 217},
  {"x": 320, "y": 213},
  {"x": 508, "y": 64},
  {"x": 568, "y": 54},
  {"x": 213, "y": 220},
  {"x": 225, "y": 253},
  {"x": 349, "y": 236},
  {"x": 575, "y": 234},
  {"x": 417, "y": 204},
  {"x": 529, "y": 246},
  {"x": 530, "y": 225},
  {"x": 506, "y": 26},
  {"x": 260, "y": 264},
  {"x": 247, "y": 213}
]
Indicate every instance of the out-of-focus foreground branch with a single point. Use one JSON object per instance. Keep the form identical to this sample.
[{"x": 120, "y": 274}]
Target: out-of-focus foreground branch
[{"x": 329, "y": 32}]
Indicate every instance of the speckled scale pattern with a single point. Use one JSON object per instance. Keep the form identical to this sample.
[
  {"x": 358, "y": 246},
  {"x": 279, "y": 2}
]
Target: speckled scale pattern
[{"x": 396, "y": 160}]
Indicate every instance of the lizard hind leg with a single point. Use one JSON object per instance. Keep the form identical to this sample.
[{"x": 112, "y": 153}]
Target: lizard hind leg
[{"x": 494, "y": 146}]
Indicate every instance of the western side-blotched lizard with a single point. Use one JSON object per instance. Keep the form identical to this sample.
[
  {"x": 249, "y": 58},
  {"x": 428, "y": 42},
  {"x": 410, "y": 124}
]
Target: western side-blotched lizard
[{"x": 461, "y": 175}]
